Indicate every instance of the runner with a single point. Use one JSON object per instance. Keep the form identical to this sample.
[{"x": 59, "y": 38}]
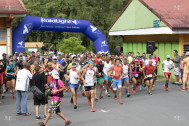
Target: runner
[
  {"x": 89, "y": 81},
  {"x": 57, "y": 87},
  {"x": 10, "y": 73},
  {"x": 167, "y": 66},
  {"x": 106, "y": 70},
  {"x": 74, "y": 76},
  {"x": 100, "y": 76},
  {"x": 116, "y": 72},
  {"x": 125, "y": 76},
  {"x": 135, "y": 70},
  {"x": 148, "y": 76}
]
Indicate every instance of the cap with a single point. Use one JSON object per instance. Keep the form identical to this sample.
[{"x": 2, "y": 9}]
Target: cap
[
  {"x": 49, "y": 63},
  {"x": 23, "y": 58},
  {"x": 76, "y": 60},
  {"x": 73, "y": 56},
  {"x": 90, "y": 62},
  {"x": 187, "y": 54},
  {"x": 11, "y": 60},
  {"x": 99, "y": 60},
  {"x": 59, "y": 53},
  {"x": 67, "y": 56},
  {"x": 51, "y": 52},
  {"x": 54, "y": 58},
  {"x": 168, "y": 56}
]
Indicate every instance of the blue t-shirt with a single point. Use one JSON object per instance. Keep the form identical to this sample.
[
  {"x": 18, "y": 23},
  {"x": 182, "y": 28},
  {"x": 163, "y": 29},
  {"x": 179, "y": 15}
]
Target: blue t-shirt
[
  {"x": 10, "y": 70},
  {"x": 61, "y": 62}
]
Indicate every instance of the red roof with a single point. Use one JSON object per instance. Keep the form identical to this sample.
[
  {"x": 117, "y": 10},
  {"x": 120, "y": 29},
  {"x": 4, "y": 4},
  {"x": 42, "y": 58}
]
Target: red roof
[
  {"x": 174, "y": 13},
  {"x": 12, "y": 7}
]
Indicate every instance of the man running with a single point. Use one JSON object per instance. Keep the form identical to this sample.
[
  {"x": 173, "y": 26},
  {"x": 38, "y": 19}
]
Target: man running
[
  {"x": 116, "y": 72},
  {"x": 167, "y": 66},
  {"x": 126, "y": 72},
  {"x": 148, "y": 76}
]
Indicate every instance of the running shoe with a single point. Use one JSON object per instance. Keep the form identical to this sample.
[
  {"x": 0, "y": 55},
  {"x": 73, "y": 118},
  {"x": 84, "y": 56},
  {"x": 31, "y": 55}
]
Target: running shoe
[
  {"x": 89, "y": 101},
  {"x": 37, "y": 117},
  {"x": 140, "y": 88},
  {"x": 96, "y": 99},
  {"x": 128, "y": 95},
  {"x": 3, "y": 96},
  {"x": 4, "y": 91},
  {"x": 83, "y": 93},
  {"x": 182, "y": 89},
  {"x": 108, "y": 94},
  {"x": 92, "y": 110},
  {"x": 75, "y": 106},
  {"x": 120, "y": 102},
  {"x": 41, "y": 124},
  {"x": 14, "y": 97},
  {"x": 134, "y": 92},
  {"x": 150, "y": 93},
  {"x": 115, "y": 97},
  {"x": 67, "y": 123},
  {"x": 166, "y": 88},
  {"x": 27, "y": 114},
  {"x": 100, "y": 96}
]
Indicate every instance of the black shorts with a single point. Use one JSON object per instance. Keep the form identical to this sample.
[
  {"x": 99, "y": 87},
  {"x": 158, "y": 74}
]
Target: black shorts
[
  {"x": 149, "y": 78},
  {"x": 40, "y": 102},
  {"x": 95, "y": 84},
  {"x": 10, "y": 78},
  {"x": 61, "y": 75},
  {"x": 88, "y": 88},
  {"x": 134, "y": 77},
  {"x": 141, "y": 74}
]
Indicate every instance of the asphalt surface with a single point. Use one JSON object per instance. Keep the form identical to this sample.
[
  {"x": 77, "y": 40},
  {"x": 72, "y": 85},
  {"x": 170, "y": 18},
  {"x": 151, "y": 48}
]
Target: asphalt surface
[{"x": 160, "y": 109}]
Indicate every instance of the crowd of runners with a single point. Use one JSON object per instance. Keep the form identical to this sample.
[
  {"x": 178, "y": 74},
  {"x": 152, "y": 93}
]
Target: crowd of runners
[{"x": 58, "y": 72}]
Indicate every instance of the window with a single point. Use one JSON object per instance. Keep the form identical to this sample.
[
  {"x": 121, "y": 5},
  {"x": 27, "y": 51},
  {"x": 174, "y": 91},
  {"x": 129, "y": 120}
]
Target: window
[
  {"x": 186, "y": 48},
  {"x": 2, "y": 34}
]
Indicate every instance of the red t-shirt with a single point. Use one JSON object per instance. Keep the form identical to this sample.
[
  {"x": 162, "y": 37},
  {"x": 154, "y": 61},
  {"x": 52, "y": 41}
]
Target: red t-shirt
[
  {"x": 140, "y": 62},
  {"x": 96, "y": 60},
  {"x": 148, "y": 69},
  {"x": 117, "y": 71}
]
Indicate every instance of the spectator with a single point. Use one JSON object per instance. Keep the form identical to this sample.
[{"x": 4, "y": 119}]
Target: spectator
[
  {"x": 22, "y": 83},
  {"x": 176, "y": 62},
  {"x": 40, "y": 82}
]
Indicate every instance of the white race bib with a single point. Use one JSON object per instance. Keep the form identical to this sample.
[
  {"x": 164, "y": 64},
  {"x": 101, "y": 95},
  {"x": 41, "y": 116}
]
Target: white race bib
[{"x": 136, "y": 75}]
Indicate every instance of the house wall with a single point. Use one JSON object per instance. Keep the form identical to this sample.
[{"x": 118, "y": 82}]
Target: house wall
[
  {"x": 8, "y": 37},
  {"x": 165, "y": 43}
]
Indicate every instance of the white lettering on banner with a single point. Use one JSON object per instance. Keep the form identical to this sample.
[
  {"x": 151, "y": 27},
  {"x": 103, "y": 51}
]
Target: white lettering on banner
[
  {"x": 59, "y": 21},
  {"x": 21, "y": 44},
  {"x": 104, "y": 42},
  {"x": 95, "y": 30}
]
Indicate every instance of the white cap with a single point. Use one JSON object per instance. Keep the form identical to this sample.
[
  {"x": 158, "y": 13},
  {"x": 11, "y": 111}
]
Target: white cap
[
  {"x": 55, "y": 74},
  {"x": 54, "y": 57}
]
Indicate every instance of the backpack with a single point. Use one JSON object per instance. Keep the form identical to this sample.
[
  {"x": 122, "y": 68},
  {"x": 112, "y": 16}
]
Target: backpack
[{"x": 60, "y": 94}]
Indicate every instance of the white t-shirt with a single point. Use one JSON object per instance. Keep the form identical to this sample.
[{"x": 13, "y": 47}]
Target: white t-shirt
[
  {"x": 74, "y": 74},
  {"x": 22, "y": 80},
  {"x": 153, "y": 62},
  {"x": 125, "y": 70},
  {"x": 107, "y": 67},
  {"x": 167, "y": 65},
  {"x": 89, "y": 77}
]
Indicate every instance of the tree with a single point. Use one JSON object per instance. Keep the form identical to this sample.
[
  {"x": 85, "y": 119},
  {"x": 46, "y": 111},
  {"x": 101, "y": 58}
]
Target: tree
[{"x": 71, "y": 45}]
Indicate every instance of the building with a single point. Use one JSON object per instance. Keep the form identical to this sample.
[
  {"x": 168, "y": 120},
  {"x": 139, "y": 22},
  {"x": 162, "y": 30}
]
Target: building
[
  {"x": 9, "y": 9},
  {"x": 164, "y": 21}
]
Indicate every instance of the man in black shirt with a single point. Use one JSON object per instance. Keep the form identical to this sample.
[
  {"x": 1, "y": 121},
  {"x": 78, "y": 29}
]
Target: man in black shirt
[
  {"x": 100, "y": 76},
  {"x": 39, "y": 80}
]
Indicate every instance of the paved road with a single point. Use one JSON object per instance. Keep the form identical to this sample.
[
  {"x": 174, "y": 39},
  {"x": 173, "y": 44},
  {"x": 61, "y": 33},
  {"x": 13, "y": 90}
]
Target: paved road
[{"x": 161, "y": 109}]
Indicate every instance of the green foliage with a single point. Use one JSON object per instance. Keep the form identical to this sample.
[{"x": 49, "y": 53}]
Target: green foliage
[
  {"x": 100, "y": 13},
  {"x": 71, "y": 45}
]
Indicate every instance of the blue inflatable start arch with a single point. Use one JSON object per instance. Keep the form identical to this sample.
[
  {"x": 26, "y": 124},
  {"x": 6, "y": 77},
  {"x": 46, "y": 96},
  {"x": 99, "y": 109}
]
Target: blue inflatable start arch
[{"x": 30, "y": 23}]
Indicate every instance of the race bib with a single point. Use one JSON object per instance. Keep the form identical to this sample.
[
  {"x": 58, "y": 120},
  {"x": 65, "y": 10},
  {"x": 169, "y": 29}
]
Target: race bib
[
  {"x": 136, "y": 75},
  {"x": 167, "y": 66},
  {"x": 90, "y": 80},
  {"x": 150, "y": 75}
]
